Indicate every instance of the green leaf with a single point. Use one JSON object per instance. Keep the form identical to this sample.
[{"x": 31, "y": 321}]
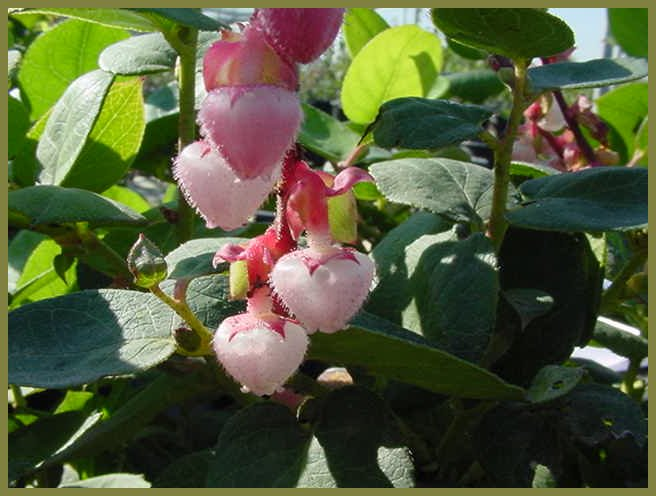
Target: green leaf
[
  {"x": 528, "y": 303},
  {"x": 143, "y": 54},
  {"x": 465, "y": 51},
  {"x": 117, "y": 18},
  {"x": 454, "y": 289},
  {"x": 192, "y": 18},
  {"x": 610, "y": 334},
  {"x": 346, "y": 450},
  {"x": 392, "y": 293},
  {"x": 194, "y": 258},
  {"x": 398, "y": 62},
  {"x": 474, "y": 86},
  {"x": 553, "y": 381},
  {"x": 113, "y": 142},
  {"x": 58, "y": 57},
  {"x": 24, "y": 168},
  {"x": 74, "y": 400},
  {"x": 18, "y": 253},
  {"x": 18, "y": 122},
  {"x": 360, "y": 26},
  {"x": 629, "y": 28},
  {"x": 109, "y": 332},
  {"x": 422, "y": 123},
  {"x": 261, "y": 446},
  {"x": 396, "y": 353},
  {"x": 127, "y": 197},
  {"x": 324, "y": 135},
  {"x": 187, "y": 471},
  {"x": 117, "y": 480},
  {"x": 591, "y": 74},
  {"x": 69, "y": 125},
  {"x": 593, "y": 200},
  {"x": 515, "y": 33},
  {"x": 39, "y": 205},
  {"x": 458, "y": 191},
  {"x": 532, "y": 171}
]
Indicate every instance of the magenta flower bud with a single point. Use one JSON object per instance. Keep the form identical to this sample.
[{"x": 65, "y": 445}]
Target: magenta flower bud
[
  {"x": 240, "y": 59},
  {"x": 251, "y": 126},
  {"x": 323, "y": 288},
  {"x": 260, "y": 354},
  {"x": 213, "y": 188},
  {"x": 300, "y": 35}
]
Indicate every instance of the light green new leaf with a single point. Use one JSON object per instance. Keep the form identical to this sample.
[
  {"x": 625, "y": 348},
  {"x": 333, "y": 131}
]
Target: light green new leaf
[
  {"x": 398, "y": 62},
  {"x": 58, "y": 57},
  {"x": 360, "y": 26},
  {"x": 630, "y": 29}
]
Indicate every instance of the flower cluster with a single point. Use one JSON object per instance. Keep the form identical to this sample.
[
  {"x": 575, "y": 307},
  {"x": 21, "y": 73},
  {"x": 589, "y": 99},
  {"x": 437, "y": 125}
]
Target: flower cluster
[{"x": 249, "y": 121}]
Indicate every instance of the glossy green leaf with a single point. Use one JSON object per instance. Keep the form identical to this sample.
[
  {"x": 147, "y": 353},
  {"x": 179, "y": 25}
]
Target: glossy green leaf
[
  {"x": 325, "y": 135},
  {"x": 56, "y": 205},
  {"x": 18, "y": 122},
  {"x": 515, "y": 33},
  {"x": 613, "y": 336},
  {"x": 194, "y": 258},
  {"x": 58, "y": 57},
  {"x": 117, "y": 480},
  {"x": 383, "y": 348},
  {"x": 454, "y": 289},
  {"x": 474, "y": 86},
  {"x": 590, "y": 74},
  {"x": 113, "y": 142},
  {"x": 109, "y": 332},
  {"x": 192, "y": 18},
  {"x": 74, "y": 400},
  {"x": 117, "y": 18},
  {"x": 69, "y": 125},
  {"x": 360, "y": 26},
  {"x": 127, "y": 197},
  {"x": 144, "y": 54},
  {"x": 592, "y": 200},
  {"x": 629, "y": 28},
  {"x": 261, "y": 446},
  {"x": 553, "y": 381},
  {"x": 398, "y": 62},
  {"x": 458, "y": 191},
  {"x": 465, "y": 51},
  {"x": 531, "y": 171},
  {"x": 423, "y": 123},
  {"x": 18, "y": 252},
  {"x": 347, "y": 451}
]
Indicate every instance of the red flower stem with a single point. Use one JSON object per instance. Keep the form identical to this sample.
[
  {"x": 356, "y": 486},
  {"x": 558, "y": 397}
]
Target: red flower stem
[{"x": 583, "y": 144}]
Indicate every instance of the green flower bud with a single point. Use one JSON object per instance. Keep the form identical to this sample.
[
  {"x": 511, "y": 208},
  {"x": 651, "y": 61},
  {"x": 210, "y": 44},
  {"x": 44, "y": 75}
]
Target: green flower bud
[{"x": 146, "y": 262}]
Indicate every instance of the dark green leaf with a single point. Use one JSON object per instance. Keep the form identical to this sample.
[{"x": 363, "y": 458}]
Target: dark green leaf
[
  {"x": 78, "y": 338},
  {"x": 118, "y": 480},
  {"x": 392, "y": 295},
  {"x": 590, "y": 74},
  {"x": 629, "y": 28},
  {"x": 188, "y": 471},
  {"x": 423, "y": 123},
  {"x": 515, "y": 33},
  {"x": 360, "y": 26},
  {"x": 398, "y": 62},
  {"x": 38, "y": 205},
  {"x": 194, "y": 258},
  {"x": 18, "y": 253},
  {"x": 261, "y": 446},
  {"x": 192, "y": 18},
  {"x": 58, "y": 57},
  {"x": 325, "y": 135},
  {"x": 138, "y": 55},
  {"x": 396, "y": 353},
  {"x": 458, "y": 191},
  {"x": 454, "y": 290},
  {"x": 69, "y": 125},
  {"x": 553, "y": 381},
  {"x": 611, "y": 335},
  {"x": 465, "y": 51},
  {"x": 593, "y": 200},
  {"x": 18, "y": 122},
  {"x": 113, "y": 142},
  {"x": 525, "y": 169},
  {"x": 24, "y": 168},
  {"x": 474, "y": 86},
  {"x": 528, "y": 303},
  {"x": 117, "y": 18}
]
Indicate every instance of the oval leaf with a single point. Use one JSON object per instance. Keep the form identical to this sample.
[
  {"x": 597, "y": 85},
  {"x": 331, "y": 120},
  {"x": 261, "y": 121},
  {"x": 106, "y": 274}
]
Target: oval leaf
[
  {"x": 137, "y": 55},
  {"x": 553, "y": 381},
  {"x": 194, "y": 258},
  {"x": 396, "y": 353},
  {"x": 360, "y": 26},
  {"x": 422, "y": 123},
  {"x": 630, "y": 28},
  {"x": 590, "y": 74},
  {"x": 192, "y": 18},
  {"x": 78, "y": 338},
  {"x": 37, "y": 205},
  {"x": 18, "y": 122},
  {"x": 325, "y": 135},
  {"x": 515, "y": 33},
  {"x": 401, "y": 61},
  {"x": 58, "y": 57},
  {"x": 474, "y": 86},
  {"x": 117, "y": 18},
  {"x": 592, "y": 200},
  {"x": 69, "y": 125}
]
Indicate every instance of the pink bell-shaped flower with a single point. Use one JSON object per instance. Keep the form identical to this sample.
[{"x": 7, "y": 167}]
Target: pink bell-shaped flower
[
  {"x": 251, "y": 126},
  {"x": 239, "y": 59},
  {"x": 323, "y": 287},
  {"x": 300, "y": 35},
  {"x": 260, "y": 349},
  {"x": 213, "y": 188}
]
